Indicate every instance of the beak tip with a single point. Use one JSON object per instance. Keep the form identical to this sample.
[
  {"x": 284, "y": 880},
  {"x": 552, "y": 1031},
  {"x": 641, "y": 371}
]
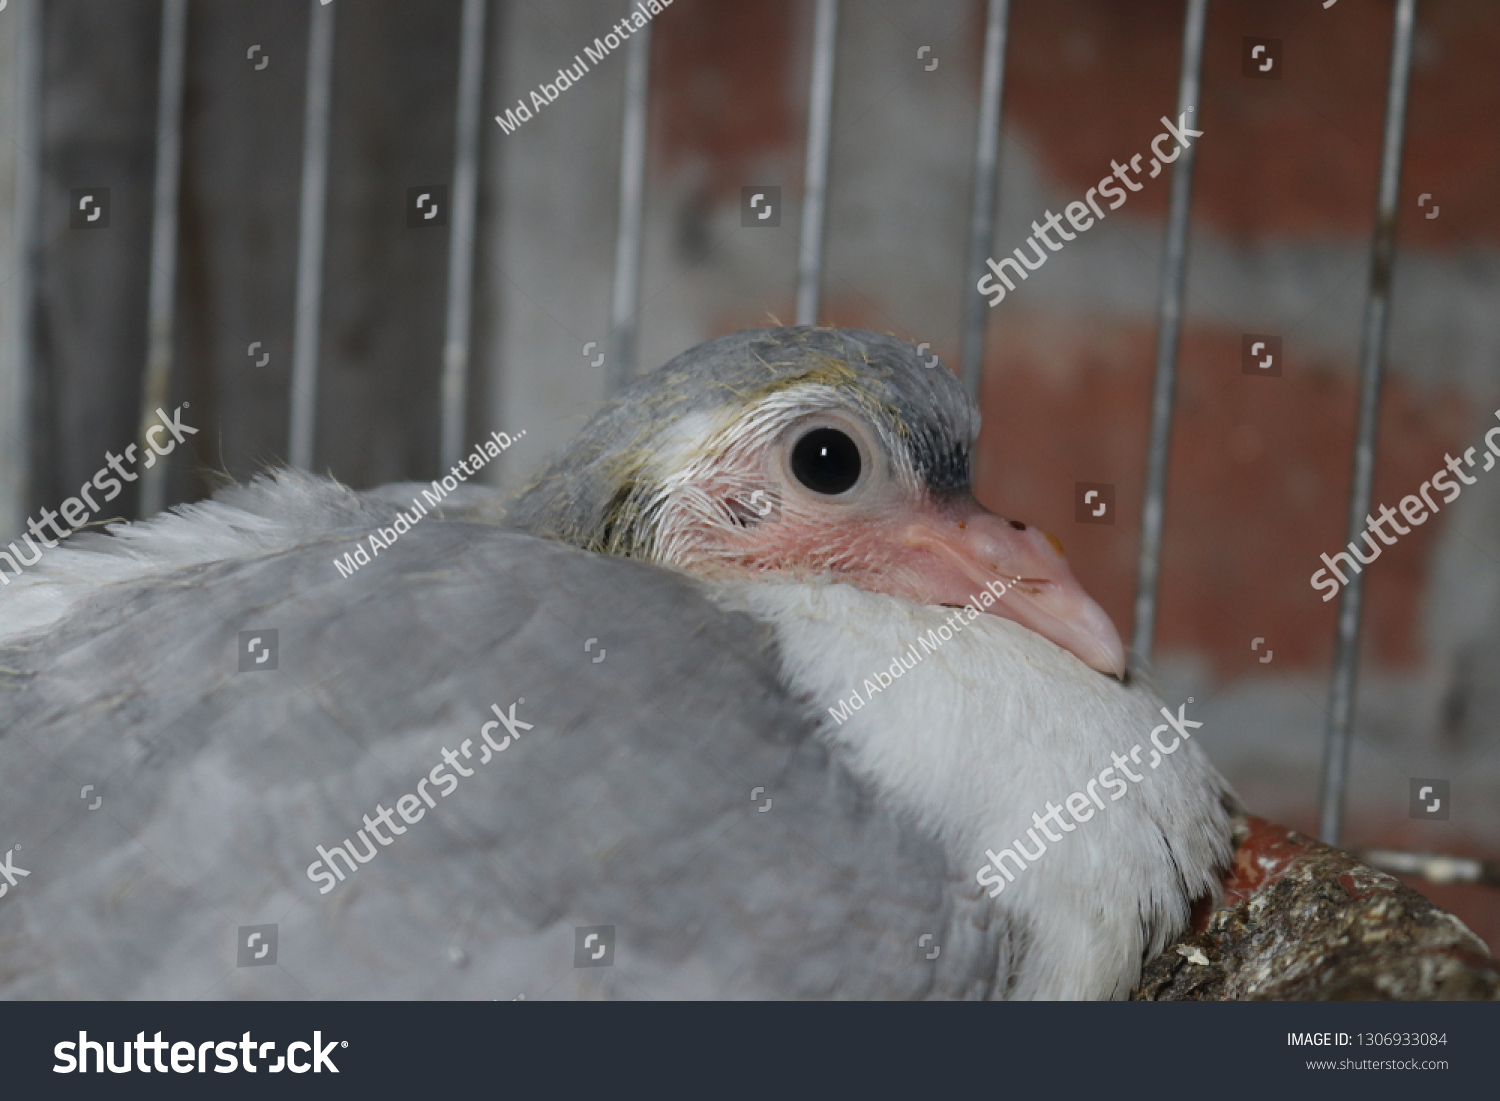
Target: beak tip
[
  {"x": 1111, "y": 659},
  {"x": 1099, "y": 639},
  {"x": 1119, "y": 659}
]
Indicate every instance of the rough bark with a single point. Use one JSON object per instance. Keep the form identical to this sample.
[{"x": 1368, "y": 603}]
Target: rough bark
[{"x": 1304, "y": 922}]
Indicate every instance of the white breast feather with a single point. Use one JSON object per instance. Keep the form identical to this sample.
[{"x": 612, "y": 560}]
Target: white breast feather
[{"x": 979, "y": 735}]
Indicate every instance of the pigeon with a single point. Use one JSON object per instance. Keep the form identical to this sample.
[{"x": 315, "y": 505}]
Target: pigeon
[{"x": 744, "y": 696}]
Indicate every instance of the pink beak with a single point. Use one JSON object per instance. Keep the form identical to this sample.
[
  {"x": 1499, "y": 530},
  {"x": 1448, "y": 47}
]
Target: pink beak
[{"x": 960, "y": 549}]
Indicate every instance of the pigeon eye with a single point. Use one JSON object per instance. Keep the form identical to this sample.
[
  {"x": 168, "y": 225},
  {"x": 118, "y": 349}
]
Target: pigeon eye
[{"x": 826, "y": 461}]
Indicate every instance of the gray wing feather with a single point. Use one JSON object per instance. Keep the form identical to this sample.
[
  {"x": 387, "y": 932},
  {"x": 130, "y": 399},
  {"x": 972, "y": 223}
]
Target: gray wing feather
[{"x": 628, "y": 804}]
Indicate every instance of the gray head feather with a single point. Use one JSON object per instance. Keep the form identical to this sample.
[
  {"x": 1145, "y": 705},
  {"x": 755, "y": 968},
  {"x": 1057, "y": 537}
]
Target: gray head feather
[{"x": 591, "y": 496}]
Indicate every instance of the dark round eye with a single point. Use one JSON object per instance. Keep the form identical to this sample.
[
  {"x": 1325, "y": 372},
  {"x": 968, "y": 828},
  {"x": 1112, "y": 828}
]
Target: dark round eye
[{"x": 826, "y": 461}]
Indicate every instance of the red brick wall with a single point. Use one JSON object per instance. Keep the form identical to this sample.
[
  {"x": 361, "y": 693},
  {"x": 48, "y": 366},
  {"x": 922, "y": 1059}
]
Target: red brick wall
[
  {"x": 1087, "y": 79},
  {"x": 1260, "y": 472}
]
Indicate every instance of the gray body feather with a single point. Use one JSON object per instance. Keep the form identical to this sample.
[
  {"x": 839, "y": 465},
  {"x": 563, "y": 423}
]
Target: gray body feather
[{"x": 628, "y": 804}]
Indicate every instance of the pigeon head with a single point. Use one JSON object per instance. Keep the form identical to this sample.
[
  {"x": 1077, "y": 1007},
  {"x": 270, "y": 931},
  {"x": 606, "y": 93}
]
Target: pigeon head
[{"x": 816, "y": 455}]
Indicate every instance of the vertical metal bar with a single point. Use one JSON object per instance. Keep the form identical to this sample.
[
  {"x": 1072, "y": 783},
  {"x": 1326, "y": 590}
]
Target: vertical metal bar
[
  {"x": 1168, "y": 329},
  {"x": 1372, "y": 348},
  {"x": 624, "y": 310},
  {"x": 161, "y": 299},
  {"x": 815, "y": 184},
  {"x": 986, "y": 173},
  {"x": 310, "y": 235},
  {"x": 461, "y": 233},
  {"x": 16, "y": 349}
]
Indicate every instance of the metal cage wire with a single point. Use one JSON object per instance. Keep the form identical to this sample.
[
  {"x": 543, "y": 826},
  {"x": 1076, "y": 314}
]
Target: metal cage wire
[{"x": 16, "y": 366}]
